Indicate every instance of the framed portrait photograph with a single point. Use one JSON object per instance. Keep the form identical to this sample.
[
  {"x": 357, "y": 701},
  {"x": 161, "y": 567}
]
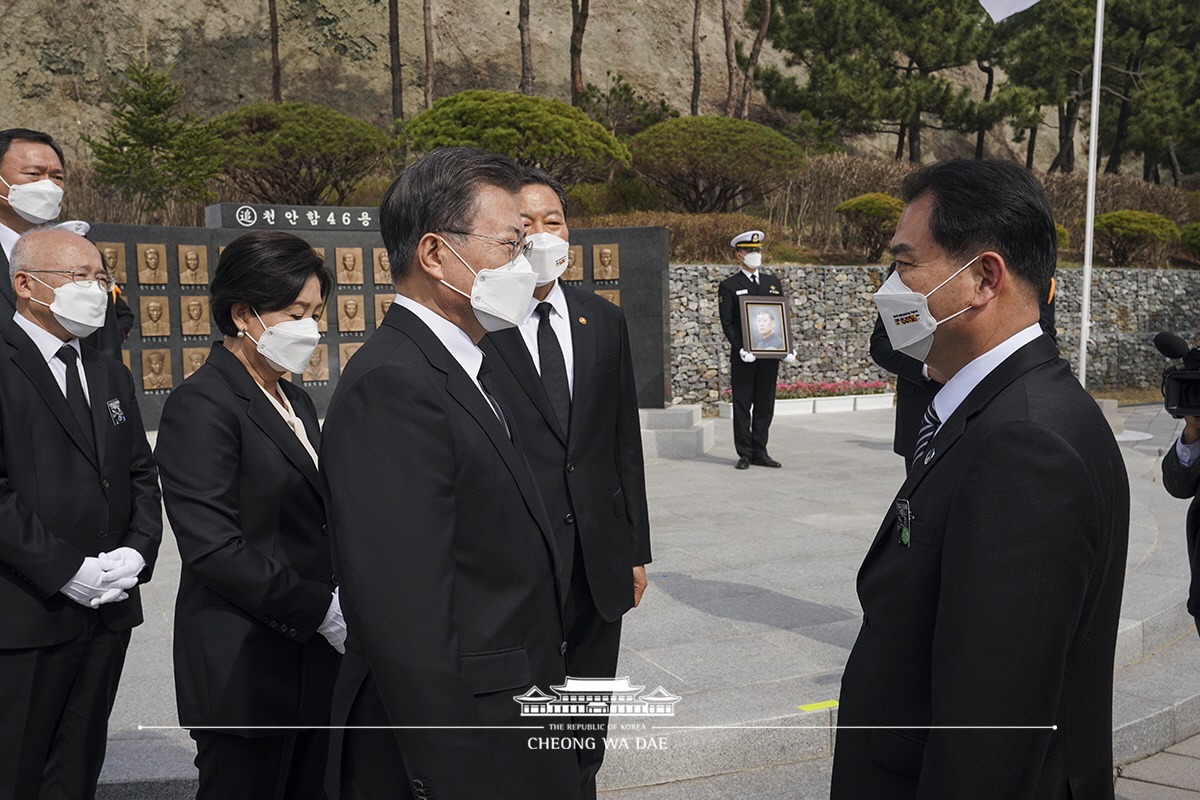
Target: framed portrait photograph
[
  {"x": 383, "y": 270},
  {"x": 574, "y": 270},
  {"x": 383, "y": 302},
  {"x": 114, "y": 260},
  {"x": 193, "y": 315},
  {"x": 765, "y": 329},
  {"x": 193, "y": 264},
  {"x": 606, "y": 262},
  {"x": 152, "y": 263},
  {"x": 193, "y": 359},
  {"x": 318, "y": 365},
  {"x": 349, "y": 265},
  {"x": 155, "y": 316},
  {"x": 351, "y": 314},
  {"x": 156, "y": 370}
]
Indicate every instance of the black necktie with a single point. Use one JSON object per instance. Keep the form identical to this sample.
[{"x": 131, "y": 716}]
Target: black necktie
[
  {"x": 489, "y": 391},
  {"x": 929, "y": 426},
  {"x": 554, "y": 367},
  {"x": 75, "y": 396}
]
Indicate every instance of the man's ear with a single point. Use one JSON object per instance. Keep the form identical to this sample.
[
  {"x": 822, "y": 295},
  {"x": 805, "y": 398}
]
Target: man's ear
[
  {"x": 432, "y": 253},
  {"x": 991, "y": 278},
  {"x": 23, "y": 285}
]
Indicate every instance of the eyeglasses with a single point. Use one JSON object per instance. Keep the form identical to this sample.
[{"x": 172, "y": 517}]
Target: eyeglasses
[
  {"x": 517, "y": 247},
  {"x": 80, "y": 279}
]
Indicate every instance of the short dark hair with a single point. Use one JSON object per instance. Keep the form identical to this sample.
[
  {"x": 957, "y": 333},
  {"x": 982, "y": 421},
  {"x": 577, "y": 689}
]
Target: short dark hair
[
  {"x": 438, "y": 193},
  {"x": 25, "y": 135},
  {"x": 990, "y": 205},
  {"x": 267, "y": 271},
  {"x": 532, "y": 176}
]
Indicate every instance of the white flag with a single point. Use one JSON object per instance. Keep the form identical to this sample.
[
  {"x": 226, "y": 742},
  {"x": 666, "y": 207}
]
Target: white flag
[{"x": 1003, "y": 9}]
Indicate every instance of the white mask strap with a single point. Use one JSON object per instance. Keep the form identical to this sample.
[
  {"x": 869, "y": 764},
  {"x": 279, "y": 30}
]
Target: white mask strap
[
  {"x": 460, "y": 258},
  {"x": 960, "y": 269}
]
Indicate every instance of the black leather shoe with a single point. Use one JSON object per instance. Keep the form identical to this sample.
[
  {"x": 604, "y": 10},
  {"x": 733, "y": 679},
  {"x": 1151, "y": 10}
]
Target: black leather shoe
[
  {"x": 765, "y": 461},
  {"x": 743, "y": 463}
]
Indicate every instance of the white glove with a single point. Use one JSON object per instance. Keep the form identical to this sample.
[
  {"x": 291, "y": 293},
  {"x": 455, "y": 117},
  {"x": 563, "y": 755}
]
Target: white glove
[
  {"x": 124, "y": 562},
  {"x": 790, "y": 358},
  {"x": 334, "y": 626},
  {"x": 90, "y": 588},
  {"x": 749, "y": 358}
]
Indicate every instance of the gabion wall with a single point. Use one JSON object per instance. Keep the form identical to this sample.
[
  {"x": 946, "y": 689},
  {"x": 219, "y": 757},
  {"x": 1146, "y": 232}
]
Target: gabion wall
[{"x": 833, "y": 316}]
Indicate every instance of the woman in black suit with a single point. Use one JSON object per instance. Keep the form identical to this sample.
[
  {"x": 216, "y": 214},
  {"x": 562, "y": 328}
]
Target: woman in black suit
[{"x": 258, "y": 624}]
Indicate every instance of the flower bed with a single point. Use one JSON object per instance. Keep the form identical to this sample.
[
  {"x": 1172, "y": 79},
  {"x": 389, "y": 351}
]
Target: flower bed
[{"x": 801, "y": 390}]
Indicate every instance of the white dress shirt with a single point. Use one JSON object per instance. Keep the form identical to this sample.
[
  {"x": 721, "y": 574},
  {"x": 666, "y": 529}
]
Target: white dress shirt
[
  {"x": 753, "y": 276},
  {"x": 294, "y": 422},
  {"x": 560, "y": 323},
  {"x": 950, "y": 396},
  {"x": 8, "y": 238},
  {"x": 48, "y": 345},
  {"x": 454, "y": 338}
]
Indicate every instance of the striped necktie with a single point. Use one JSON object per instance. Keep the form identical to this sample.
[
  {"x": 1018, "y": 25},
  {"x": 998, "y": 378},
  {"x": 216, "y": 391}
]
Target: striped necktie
[{"x": 929, "y": 426}]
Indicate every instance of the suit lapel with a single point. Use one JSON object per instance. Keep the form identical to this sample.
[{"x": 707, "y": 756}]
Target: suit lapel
[
  {"x": 1033, "y": 354},
  {"x": 510, "y": 345},
  {"x": 97, "y": 381},
  {"x": 466, "y": 393},
  {"x": 29, "y": 359},
  {"x": 264, "y": 415},
  {"x": 583, "y": 345}
]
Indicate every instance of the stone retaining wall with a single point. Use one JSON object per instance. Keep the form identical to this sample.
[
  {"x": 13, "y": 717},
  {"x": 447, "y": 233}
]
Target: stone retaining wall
[{"x": 833, "y": 315}]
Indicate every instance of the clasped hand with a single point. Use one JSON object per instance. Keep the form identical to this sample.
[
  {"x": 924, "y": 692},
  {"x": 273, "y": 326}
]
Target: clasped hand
[{"x": 105, "y": 578}]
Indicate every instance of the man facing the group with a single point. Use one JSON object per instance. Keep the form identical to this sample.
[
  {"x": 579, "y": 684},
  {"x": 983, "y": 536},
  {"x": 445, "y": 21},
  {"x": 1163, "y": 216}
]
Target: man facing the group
[{"x": 991, "y": 593}]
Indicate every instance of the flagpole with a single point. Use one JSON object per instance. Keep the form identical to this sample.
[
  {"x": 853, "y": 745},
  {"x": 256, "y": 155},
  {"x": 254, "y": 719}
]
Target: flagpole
[{"x": 1085, "y": 307}]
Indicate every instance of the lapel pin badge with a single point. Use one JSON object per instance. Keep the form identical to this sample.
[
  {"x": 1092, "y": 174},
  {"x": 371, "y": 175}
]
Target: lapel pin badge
[
  {"x": 114, "y": 411},
  {"x": 583, "y": 320},
  {"x": 929, "y": 456}
]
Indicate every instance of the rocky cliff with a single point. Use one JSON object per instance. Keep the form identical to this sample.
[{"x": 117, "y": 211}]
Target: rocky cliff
[{"x": 63, "y": 56}]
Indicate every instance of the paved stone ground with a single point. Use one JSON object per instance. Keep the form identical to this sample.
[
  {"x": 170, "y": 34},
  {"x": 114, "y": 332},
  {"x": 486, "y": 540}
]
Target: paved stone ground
[
  {"x": 1173, "y": 774},
  {"x": 750, "y": 615}
]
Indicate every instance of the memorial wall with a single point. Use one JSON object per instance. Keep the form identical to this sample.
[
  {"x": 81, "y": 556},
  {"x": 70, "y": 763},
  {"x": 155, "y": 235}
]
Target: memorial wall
[{"x": 164, "y": 274}]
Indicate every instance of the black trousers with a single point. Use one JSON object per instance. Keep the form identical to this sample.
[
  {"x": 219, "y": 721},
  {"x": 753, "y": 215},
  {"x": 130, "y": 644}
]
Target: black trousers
[
  {"x": 54, "y": 707},
  {"x": 287, "y": 767},
  {"x": 753, "y": 404},
  {"x": 593, "y": 644}
]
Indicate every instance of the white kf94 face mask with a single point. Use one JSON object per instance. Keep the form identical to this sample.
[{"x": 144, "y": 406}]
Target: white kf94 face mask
[
  {"x": 287, "y": 346},
  {"x": 548, "y": 256},
  {"x": 80, "y": 310},
  {"x": 499, "y": 297},
  {"x": 906, "y": 316},
  {"x": 37, "y": 202}
]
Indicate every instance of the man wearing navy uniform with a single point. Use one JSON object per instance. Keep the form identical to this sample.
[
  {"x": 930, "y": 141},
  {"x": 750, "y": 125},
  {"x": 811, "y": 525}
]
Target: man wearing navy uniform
[{"x": 753, "y": 378}]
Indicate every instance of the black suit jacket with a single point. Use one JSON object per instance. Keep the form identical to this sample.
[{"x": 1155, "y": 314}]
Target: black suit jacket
[
  {"x": 729, "y": 308},
  {"x": 1001, "y": 609},
  {"x": 62, "y": 500},
  {"x": 448, "y": 568},
  {"x": 1183, "y": 482},
  {"x": 244, "y": 500},
  {"x": 591, "y": 477},
  {"x": 8, "y": 298},
  {"x": 914, "y": 392}
]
